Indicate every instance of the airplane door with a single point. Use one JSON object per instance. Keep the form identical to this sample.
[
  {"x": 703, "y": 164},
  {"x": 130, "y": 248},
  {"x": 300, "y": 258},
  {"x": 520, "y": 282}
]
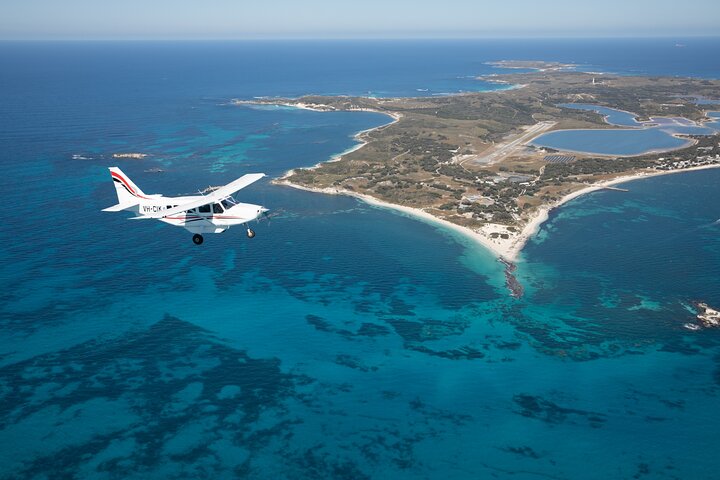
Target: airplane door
[{"x": 205, "y": 211}]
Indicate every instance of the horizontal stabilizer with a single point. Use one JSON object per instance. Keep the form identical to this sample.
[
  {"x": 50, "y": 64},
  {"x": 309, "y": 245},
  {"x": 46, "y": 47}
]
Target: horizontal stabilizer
[
  {"x": 120, "y": 207},
  {"x": 140, "y": 218}
]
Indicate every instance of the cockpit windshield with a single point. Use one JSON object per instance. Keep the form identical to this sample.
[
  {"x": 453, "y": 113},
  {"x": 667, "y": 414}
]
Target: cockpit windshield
[{"x": 228, "y": 202}]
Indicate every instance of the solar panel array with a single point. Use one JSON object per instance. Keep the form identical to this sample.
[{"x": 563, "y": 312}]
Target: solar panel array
[{"x": 559, "y": 158}]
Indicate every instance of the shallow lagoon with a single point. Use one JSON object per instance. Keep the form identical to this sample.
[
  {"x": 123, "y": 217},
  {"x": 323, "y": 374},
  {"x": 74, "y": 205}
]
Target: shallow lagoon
[{"x": 654, "y": 136}]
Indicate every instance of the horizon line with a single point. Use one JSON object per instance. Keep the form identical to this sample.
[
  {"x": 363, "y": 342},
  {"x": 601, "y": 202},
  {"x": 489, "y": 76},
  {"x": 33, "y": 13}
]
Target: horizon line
[{"x": 359, "y": 38}]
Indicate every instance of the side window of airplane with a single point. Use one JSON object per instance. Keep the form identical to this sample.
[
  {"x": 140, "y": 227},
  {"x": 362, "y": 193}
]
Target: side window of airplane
[
  {"x": 217, "y": 208},
  {"x": 204, "y": 208}
]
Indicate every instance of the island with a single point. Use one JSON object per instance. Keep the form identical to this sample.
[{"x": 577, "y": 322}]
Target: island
[
  {"x": 468, "y": 161},
  {"x": 132, "y": 155},
  {"x": 709, "y": 317}
]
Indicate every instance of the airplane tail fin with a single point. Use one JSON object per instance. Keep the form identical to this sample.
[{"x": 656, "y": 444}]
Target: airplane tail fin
[{"x": 128, "y": 193}]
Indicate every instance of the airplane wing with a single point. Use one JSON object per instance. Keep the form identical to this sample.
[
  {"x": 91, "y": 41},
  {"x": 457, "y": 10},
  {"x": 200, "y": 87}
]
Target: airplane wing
[
  {"x": 214, "y": 196},
  {"x": 236, "y": 185}
]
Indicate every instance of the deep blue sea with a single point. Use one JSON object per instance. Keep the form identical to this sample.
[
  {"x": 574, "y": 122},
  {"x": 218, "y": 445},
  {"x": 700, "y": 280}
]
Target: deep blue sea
[{"x": 343, "y": 341}]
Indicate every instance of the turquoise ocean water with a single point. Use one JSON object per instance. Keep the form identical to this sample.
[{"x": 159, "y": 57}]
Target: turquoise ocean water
[{"x": 344, "y": 341}]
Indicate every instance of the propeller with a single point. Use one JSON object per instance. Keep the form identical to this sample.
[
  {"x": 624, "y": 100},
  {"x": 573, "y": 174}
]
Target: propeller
[{"x": 267, "y": 215}]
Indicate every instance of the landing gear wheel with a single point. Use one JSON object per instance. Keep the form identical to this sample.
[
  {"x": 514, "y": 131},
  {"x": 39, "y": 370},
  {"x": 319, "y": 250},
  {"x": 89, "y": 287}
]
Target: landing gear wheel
[
  {"x": 197, "y": 239},
  {"x": 250, "y": 233}
]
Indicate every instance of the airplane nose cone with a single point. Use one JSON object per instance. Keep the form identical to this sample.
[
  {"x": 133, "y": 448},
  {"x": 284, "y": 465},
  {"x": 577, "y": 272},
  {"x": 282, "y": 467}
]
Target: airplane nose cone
[{"x": 263, "y": 210}]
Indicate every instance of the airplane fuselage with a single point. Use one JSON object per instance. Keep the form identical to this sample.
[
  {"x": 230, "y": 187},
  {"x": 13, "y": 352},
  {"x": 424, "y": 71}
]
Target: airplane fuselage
[{"x": 212, "y": 218}]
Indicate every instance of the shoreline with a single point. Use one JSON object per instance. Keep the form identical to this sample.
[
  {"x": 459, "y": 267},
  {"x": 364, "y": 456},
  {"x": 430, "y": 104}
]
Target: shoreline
[
  {"x": 515, "y": 245},
  {"x": 504, "y": 249},
  {"x": 360, "y": 137},
  {"x": 412, "y": 212}
]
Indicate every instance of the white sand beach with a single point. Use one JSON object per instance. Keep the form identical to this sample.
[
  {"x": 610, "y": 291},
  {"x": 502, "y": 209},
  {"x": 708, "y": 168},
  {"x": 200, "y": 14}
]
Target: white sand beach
[{"x": 489, "y": 235}]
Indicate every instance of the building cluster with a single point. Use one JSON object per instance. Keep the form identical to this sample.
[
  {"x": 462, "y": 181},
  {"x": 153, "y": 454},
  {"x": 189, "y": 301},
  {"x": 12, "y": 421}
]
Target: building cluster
[{"x": 698, "y": 161}]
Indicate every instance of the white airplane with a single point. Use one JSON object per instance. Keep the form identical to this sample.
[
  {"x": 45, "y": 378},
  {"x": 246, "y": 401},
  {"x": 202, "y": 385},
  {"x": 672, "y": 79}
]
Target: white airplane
[{"x": 212, "y": 213}]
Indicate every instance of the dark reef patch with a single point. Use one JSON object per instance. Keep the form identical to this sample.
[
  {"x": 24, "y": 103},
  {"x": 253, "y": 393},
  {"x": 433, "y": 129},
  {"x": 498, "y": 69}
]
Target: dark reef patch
[
  {"x": 455, "y": 418},
  {"x": 316, "y": 464},
  {"x": 353, "y": 362},
  {"x": 461, "y": 353},
  {"x": 642, "y": 470},
  {"x": 427, "y": 328},
  {"x": 171, "y": 375},
  {"x": 549, "y": 412},
  {"x": 319, "y": 323},
  {"x": 365, "y": 330},
  {"x": 398, "y": 307},
  {"x": 523, "y": 451},
  {"x": 372, "y": 330}
]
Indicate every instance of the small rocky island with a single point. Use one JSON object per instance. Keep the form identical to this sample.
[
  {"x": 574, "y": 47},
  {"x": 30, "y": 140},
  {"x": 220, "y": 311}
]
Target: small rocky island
[
  {"x": 708, "y": 317},
  {"x": 133, "y": 155}
]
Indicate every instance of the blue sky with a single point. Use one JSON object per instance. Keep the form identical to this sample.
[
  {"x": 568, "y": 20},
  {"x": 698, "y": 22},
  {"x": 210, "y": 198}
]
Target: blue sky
[{"x": 228, "y": 19}]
